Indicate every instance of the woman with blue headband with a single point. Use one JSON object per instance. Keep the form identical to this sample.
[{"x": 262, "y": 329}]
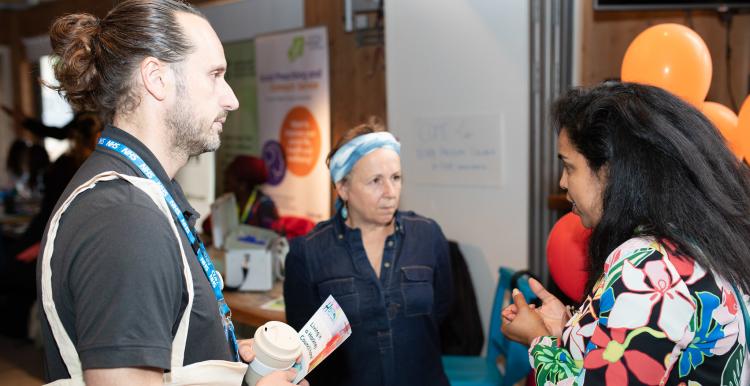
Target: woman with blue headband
[{"x": 389, "y": 270}]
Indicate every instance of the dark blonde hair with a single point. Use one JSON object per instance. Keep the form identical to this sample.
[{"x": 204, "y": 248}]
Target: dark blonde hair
[
  {"x": 97, "y": 58},
  {"x": 373, "y": 125}
]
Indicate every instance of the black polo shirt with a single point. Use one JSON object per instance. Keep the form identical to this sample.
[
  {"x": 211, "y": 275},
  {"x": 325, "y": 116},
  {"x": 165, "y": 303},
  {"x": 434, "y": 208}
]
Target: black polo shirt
[{"x": 117, "y": 274}]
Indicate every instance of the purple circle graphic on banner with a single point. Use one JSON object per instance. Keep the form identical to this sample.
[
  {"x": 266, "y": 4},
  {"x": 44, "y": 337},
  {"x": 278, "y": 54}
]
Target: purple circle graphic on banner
[{"x": 273, "y": 156}]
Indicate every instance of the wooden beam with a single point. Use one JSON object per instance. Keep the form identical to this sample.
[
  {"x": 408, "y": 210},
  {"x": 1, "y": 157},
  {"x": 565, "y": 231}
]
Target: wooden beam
[
  {"x": 607, "y": 35},
  {"x": 357, "y": 73}
]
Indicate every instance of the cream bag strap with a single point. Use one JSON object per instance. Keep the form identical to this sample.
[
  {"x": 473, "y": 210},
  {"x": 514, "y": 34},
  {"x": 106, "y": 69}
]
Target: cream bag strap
[{"x": 203, "y": 373}]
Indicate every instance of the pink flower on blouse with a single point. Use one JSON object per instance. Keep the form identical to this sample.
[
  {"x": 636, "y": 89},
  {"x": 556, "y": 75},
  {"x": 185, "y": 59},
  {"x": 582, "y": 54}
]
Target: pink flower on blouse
[{"x": 656, "y": 282}]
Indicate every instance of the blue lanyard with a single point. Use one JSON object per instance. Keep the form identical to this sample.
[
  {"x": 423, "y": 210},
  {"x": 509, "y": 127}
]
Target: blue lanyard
[{"x": 197, "y": 244}]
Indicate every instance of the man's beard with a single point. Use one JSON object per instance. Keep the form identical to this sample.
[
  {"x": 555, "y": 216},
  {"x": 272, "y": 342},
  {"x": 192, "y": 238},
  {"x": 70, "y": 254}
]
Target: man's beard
[{"x": 189, "y": 134}]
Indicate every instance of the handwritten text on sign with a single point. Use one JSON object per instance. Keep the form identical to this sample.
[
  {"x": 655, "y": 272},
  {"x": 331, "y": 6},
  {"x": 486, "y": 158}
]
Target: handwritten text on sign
[{"x": 463, "y": 150}]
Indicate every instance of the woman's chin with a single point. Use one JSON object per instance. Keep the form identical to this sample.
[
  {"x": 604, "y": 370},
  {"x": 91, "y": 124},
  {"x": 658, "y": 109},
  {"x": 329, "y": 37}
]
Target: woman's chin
[{"x": 386, "y": 219}]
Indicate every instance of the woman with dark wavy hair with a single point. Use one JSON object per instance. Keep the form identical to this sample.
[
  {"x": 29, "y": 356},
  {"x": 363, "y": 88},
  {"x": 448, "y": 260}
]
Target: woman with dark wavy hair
[{"x": 669, "y": 209}]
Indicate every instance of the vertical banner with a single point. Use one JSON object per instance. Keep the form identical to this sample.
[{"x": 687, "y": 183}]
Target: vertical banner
[
  {"x": 294, "y": 120},
  {"x": 240, "y": 134}
]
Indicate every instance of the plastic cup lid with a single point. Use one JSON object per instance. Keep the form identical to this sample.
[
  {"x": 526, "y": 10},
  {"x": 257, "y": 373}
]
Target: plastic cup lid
[{"x": 277, "y": 340}]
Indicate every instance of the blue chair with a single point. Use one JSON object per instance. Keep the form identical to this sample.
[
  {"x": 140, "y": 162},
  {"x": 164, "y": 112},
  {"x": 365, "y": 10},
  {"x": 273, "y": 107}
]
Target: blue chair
[{"x": 507, "y": 362}]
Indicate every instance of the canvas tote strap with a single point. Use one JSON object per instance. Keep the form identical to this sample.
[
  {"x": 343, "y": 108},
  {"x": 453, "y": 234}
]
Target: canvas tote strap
[{"x": 64, "y": 343}]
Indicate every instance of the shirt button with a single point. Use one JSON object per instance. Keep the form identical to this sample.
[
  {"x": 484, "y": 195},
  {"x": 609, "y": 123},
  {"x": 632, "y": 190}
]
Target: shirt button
[
  {"x": 390, "y": 243},
  {"x": 341, "y": 237},
  {"x": 392, "y": 310},
  {"x": 387, "y": 264}
]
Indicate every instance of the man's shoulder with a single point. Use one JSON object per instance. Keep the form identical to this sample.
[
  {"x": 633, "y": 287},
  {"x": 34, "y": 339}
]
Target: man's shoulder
[
  {"x": 116, "y": 195},
  {"x": 114, "y": 209},
  {"x": 105, "y": 193},
  {"x": 116, "y": 229}
]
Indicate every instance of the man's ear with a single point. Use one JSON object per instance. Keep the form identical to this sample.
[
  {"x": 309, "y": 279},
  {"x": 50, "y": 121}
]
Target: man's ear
[{"x": 153, "y": 73}]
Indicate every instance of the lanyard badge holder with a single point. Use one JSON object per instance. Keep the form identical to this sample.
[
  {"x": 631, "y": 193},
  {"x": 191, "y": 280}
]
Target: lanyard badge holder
[{"x": 200, "y": 250}]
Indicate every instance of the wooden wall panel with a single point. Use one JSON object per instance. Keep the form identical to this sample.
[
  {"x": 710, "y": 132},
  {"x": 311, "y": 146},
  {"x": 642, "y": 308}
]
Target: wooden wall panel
[
  {"x": 357, "y": 73},
  {"x": 606, "y": 36},
  {"x": 35, "y": 21},
  {"x": 4, "y": 27}
]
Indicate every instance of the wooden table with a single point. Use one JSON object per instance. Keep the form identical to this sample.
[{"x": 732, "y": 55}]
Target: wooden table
[{"x": 246, "y": 306}]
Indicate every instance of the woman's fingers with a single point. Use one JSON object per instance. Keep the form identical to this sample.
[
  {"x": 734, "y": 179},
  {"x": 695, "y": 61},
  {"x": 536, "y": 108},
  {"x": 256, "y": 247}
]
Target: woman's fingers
[
  {"x": 519, "y": 300},
  {"x": 539, "y": 289},
  {"x": 246, "y": 349}
]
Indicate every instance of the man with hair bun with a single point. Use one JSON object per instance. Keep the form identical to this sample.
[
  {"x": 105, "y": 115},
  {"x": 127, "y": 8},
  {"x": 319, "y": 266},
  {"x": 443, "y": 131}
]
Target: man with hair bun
[{"x": 129, "y": 295}]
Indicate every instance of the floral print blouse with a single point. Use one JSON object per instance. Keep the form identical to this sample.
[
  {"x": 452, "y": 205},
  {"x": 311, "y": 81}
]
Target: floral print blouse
[{"x": 653, "y": 318}]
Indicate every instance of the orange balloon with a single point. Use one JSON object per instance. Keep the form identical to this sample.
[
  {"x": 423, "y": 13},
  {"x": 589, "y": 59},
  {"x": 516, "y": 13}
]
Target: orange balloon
[
  {"x": 742, "y": 136},
  {"x": 670, "y": 56},
  {"x": 726, "y": 121}
]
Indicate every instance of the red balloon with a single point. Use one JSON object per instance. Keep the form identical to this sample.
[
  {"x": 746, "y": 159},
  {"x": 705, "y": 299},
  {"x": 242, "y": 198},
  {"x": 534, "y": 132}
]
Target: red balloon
[{"x": 566, "y": 255}]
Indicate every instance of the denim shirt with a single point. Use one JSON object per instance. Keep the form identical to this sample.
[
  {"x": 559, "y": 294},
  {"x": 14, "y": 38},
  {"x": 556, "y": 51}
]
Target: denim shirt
[{"x": 394, "y": 317}]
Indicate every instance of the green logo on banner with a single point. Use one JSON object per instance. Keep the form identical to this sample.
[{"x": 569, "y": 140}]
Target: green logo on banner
[{"x": 297, "y": 49}]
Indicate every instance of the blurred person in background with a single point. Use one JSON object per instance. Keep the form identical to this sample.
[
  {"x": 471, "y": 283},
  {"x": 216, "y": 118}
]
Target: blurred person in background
[
  {"x": 244, "y": 177},
  {"x": 17, "y": 283}
]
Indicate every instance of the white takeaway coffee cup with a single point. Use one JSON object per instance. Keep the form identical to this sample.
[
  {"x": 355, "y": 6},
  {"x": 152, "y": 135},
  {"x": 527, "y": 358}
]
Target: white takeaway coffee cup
[{"x": 277, "y": 347}]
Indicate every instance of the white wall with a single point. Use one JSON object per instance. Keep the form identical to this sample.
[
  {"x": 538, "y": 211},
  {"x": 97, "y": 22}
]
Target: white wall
[
  {"x": 235, "y": 21},
  {"x": 465, "y": 61},
  {"x": 246, "y": 19}
]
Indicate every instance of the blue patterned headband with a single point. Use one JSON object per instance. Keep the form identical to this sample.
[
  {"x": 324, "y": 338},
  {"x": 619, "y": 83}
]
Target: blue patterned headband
[{"x": 345, "y": 157}]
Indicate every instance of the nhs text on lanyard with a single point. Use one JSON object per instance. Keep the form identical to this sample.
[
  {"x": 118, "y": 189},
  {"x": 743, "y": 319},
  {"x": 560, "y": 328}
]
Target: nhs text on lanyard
[{"x": 198, "y": 247}]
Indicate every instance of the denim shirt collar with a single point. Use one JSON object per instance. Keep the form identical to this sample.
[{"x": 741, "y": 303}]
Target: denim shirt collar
[{"x": 344, "y": 233}]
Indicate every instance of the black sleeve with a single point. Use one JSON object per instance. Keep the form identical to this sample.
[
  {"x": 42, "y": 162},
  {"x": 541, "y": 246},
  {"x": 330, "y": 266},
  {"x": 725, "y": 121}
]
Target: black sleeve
[
  {"x": 443, "y": 276},
  {"x": 40, "y": 129},
  {"x": 126, "y": 284}
]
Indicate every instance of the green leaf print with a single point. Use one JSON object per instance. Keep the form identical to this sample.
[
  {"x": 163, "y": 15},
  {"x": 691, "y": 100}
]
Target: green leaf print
[
  {"x": 553, "y": 364},
  {"x": 733, "y": 369}
]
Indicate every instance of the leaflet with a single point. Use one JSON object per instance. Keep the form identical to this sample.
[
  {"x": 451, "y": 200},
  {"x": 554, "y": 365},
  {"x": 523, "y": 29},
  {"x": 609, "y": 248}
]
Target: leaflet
[{"x": 324, "y": 332}]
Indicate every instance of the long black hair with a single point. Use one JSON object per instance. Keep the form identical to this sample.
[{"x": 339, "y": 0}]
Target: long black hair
[{"x": 669, "y": 174}]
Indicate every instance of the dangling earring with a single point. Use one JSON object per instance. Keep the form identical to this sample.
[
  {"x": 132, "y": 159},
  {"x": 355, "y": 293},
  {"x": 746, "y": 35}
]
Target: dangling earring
[{"x": 344, "y": 211}]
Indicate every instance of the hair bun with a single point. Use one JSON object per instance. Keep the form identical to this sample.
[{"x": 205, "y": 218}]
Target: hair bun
[{"x": 73, "y": 41}]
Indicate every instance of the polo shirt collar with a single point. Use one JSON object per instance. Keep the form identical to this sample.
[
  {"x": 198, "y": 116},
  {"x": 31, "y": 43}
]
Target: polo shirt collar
[{"x": 139, "y": 148}]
